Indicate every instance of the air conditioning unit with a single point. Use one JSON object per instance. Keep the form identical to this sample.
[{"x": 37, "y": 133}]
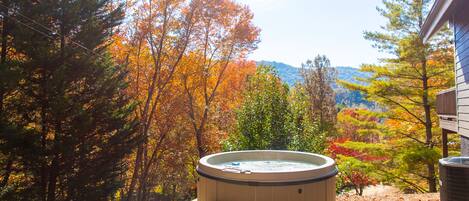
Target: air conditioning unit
[{"x": 454, "y": 179}]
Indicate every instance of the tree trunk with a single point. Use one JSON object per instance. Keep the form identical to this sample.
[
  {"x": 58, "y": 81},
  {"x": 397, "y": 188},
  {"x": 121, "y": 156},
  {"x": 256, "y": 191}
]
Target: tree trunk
[
  {"x": 135, "y": 173},
  {"x": 143, "y": 177},
  {"x": 431, "y": 177},
  {"x": 200, "y": 145},
  {"x": 44, "y": 130},
  {"x": 53, "y": 169},
  {"x": 444, "y": 141},
  {"x": 3, "y": 54},
  {"x": 8, "y": 169},
  {"x": 199, "y": 131},
  {"x": 52, "y": 180},
  {"x": 4, "y": 50}
]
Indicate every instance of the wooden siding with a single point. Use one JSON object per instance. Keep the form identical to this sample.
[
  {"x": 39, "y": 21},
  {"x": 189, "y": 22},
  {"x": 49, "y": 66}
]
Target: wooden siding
[
  {"x": 449, "y": 124},
  {"x": 460, "y": 22},
  {"x": 446, "y": 102},
  {"x": 446, "y": 109}
]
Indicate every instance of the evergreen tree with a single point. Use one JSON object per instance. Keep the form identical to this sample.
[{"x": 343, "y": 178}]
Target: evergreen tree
[
  {"x": 8, "y": 78},
  {"x": 67, "y": 119},
  {"x": 406, "y": 85}
]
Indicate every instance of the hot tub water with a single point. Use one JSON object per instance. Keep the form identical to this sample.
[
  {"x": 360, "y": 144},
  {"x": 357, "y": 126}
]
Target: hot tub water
[{"x": 267, "y": 165}]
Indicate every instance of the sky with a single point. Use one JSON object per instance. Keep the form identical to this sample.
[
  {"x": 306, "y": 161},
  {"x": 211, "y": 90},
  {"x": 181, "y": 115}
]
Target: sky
[{"x": 293, "y": 31}]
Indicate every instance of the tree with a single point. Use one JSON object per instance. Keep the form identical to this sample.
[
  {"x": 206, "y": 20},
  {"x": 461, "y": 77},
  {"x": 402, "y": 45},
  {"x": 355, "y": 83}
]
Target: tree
[
  {"x": 68, "y": 121},
  {"x": 358, "y": 149},
  {"x": 225, "y": 33},
  {"x": 272, "y": 116},
  {"x": 354, "y": 174},
  {"x": 359, "y": 124},
  {"x": 306, "y": 133},
  {"x": 406, "y": 85},
  {"x": 8, "y": 78},
  {"x": 263, "y": 121},
  {"x": 318, "y": 76},
  {"x": 4, "y": 48},
  {"x": 162, "y": 45},
  {"x": 153, "y": 43}
]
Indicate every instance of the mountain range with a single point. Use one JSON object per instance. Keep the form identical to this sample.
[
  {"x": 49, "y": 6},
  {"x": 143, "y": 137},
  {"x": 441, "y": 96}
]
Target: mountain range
[{"x": 291, "y": 75}]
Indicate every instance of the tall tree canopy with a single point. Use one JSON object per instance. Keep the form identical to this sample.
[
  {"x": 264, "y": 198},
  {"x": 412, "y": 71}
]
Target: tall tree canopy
[
  {"x": 65, "y": 127},
  {"x": 406, "y": 86},
  {"x": 187, "y": 67},
  {"x": 318, "y": 76},
  {"x": 272, "y": 116},
  {"x": 263, "y": 121},
  {"x": 225, "y": 32}
]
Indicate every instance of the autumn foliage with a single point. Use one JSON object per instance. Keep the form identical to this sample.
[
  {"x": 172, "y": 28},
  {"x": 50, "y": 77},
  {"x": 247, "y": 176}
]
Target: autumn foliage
[
  {"x": 357, "y": 150},
  {"x": 118, "y": 100},
  {"x": 187, "y": 69}
]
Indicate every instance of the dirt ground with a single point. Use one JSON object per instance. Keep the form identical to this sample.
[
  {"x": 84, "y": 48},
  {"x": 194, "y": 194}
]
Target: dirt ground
[{"x": 387, "y": 193}]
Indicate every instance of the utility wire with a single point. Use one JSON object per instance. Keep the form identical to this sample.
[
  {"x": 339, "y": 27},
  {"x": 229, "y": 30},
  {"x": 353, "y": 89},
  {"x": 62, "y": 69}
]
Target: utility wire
[
  {"x": 26, "y": 25},
  {"x": 52, "y": 32}
]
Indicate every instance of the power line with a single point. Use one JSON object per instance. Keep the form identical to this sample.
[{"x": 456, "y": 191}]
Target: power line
[
  {"x": 26, "y": 25},
  {"x": 2, "y": 5},
  {"x": 52, "y": 32}
]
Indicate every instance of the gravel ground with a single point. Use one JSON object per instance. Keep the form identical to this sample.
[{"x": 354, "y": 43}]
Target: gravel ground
[
  {"x": 395, "y": 197},
  {"x": 387, "y": 193}
]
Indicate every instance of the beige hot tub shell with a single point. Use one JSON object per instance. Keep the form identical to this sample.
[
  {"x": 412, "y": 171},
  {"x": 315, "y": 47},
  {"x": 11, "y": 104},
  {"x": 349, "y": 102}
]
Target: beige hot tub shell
[{"x": 316, "y": 184}]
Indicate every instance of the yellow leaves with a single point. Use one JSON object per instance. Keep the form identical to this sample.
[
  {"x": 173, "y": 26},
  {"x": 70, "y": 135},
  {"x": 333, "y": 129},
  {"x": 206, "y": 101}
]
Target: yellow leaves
[
  {"x": 351, "y": 86},
  {"x": 186, "y": 63},
  {"x": 199, "y": 78}
]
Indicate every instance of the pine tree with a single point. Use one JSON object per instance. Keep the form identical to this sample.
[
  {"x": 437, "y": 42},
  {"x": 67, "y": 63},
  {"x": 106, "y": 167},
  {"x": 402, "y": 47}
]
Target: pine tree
[
  {"x": 406, "y": 86},
  {"x": 69, "y": 125},
  {"x": 7, "y": 80}
]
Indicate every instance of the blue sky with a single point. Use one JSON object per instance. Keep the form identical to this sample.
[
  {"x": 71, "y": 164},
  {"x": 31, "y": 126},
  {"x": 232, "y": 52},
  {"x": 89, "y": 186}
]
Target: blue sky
[{"x": 296, "y": 30}]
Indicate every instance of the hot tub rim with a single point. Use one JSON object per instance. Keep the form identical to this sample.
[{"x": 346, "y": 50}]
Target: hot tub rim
[
  {"x": 329, "y": 170},
  {"x": 269, "y": 183},
  {"x": 329, "y": 161}
]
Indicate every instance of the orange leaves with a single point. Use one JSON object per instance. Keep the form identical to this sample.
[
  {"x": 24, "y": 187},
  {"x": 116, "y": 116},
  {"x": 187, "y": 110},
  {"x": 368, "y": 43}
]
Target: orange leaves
[
  {"x": 231, "y": 89},
  {"x": 224, "y": 29},
  {"x": 187, "y": 72},
  {"x": 223, "y": 33}
]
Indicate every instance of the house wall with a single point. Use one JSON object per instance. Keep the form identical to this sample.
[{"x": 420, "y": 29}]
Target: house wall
[
  {"x": 460, "y": 22},
  {"x": 464, "y": 146}
]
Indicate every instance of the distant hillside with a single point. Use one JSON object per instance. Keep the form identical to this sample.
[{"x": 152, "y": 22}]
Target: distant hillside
[
  {"x": 291, "y": 75},
  {"x": 287, "y": 73}
]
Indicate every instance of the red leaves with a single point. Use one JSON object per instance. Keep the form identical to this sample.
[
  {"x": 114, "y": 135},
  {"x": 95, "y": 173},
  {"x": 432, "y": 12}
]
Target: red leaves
[
  {"x": 359, "y": 179},
  {"x": 335, "y": 149}
]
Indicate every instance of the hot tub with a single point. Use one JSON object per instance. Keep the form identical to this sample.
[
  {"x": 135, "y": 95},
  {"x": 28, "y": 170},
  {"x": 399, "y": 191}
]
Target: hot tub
[{"x": 266, "y": 176}]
